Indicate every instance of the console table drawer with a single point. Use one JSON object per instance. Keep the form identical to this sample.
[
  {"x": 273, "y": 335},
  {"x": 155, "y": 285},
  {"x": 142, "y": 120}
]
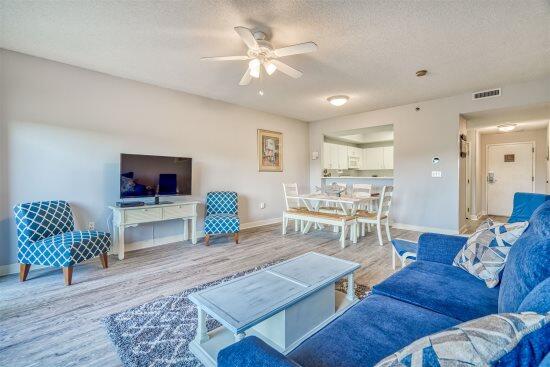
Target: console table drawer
[
  {"x": 178, "y": 211},
  {"x": 142, "y": 215}
]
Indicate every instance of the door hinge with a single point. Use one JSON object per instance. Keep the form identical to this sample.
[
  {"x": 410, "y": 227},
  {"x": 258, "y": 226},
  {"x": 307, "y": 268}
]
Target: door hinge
[
  {"x": 532, "y": 178},
  {"x": 533, "y": 150}
]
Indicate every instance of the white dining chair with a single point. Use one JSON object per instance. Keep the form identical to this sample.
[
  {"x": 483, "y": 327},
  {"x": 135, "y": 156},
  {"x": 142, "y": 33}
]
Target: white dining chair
[
  {"x": 290, "y": 190},
  {"x": 359, "y": 190},
  {"x": 381, "y": 216}
]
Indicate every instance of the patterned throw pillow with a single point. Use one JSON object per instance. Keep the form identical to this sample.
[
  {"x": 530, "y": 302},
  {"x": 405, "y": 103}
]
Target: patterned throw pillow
[
  {"x": 479, "y": 342},
  {"x": 484, "y": 254},
  {"x": 486, "y": 224}
]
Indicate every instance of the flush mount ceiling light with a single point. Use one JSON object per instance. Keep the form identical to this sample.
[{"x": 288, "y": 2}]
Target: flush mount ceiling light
[
  {"x": 338, "y": 100},
  {"x": 506, "y": 127}
]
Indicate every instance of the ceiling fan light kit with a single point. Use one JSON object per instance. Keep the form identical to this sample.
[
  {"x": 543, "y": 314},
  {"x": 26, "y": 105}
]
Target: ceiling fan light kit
[
  {"x": 338, "y": 100},
  {"x": 261, "y": 52}
]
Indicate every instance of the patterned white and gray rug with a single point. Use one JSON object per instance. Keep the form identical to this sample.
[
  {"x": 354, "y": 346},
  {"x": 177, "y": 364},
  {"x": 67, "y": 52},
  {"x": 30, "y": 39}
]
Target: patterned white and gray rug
[{"x": 157, "y": 333}]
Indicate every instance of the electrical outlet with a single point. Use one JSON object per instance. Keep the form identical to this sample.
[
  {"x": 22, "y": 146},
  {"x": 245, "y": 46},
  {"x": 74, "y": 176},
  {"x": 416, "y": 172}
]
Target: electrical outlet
[
  {"x": 91, "y": 226},
  {"x": 262, "y": 205},
  {"x": 436, "y": 173}
]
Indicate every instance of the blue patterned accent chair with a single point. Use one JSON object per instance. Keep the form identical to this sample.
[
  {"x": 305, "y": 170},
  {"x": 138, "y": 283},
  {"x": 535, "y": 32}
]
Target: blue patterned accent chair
[
  {"x": 46, "y": 236},
  {"x": 221, "y": 214}
]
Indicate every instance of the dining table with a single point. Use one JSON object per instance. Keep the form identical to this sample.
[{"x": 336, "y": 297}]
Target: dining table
[{"x": 347, "y": 203}]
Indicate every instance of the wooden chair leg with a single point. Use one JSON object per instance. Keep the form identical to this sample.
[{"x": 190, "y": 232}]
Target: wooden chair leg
[
  {"x": 104, "y": 260},
  {"x": 236, "y": 235},
  {"x": 206, "y": 239},
  {"x": 24, "y": 271},
  {"x": 68, "y": 275}
]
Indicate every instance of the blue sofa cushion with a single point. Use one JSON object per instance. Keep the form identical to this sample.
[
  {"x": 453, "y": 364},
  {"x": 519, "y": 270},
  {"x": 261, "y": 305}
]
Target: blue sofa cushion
[
  {"x": 528, "y": 262},
  {"x": 441, "y": 248},
  {"x": 368, "y": 332},
  {"x": 525, "y": 204},
  {"x": 441, "y": 288},
  {"x": 481, "y": 342},
  {"x": 252, "y": 352},
  {"x": 538, "y": 300}
]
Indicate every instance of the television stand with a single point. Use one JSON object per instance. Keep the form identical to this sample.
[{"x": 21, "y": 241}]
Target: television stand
[
  {"x": 159, "y": 203},
  {"x": 133, "y": 216}
]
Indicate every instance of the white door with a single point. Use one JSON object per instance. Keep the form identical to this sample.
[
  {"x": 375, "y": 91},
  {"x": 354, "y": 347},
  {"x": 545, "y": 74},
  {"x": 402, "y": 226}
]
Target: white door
[{"x": 509, "y": 170}]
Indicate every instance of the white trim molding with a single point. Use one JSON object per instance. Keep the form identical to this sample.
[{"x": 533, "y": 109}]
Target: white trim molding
[{"x": 14, "y": 268}]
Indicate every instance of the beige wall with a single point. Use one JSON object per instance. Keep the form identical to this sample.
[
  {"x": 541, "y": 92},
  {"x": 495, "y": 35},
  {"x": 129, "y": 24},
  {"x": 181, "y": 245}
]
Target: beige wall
[
  {"x": 423, "y": 202},
  {"x": 63, "y": 129},
  {"x": 540, "y": 139}
]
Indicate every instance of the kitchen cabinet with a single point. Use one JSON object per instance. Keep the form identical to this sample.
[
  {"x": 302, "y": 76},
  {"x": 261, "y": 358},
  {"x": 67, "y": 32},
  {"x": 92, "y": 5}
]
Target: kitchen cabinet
[
  {"x": 342, "y": 152},
  {"x": 388, "y": 157},
  {"x": 335, "y": 156},
  {"x": 378, "y": 158},
  {"x": 374, "y": 158}
]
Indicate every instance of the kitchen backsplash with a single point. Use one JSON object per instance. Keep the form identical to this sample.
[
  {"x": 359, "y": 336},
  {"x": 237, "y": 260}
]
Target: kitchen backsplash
[{"x": 361, "y": 173}]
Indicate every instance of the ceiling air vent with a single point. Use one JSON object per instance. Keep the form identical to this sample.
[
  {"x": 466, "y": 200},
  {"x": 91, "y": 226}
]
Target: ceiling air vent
[{"x": 486, "y": 94}]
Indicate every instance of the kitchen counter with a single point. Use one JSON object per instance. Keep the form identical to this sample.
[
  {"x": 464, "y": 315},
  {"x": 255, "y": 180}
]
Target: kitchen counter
[{"x": 358, "y": 177}]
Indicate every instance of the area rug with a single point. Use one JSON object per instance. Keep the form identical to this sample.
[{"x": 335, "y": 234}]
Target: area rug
[{"x": 158, "y": 333}]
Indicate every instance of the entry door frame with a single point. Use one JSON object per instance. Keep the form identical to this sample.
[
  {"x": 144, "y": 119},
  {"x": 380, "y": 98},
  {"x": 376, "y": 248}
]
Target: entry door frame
[
  {"x": 468, "y": 183},
  {"x": 533, "y": 156}
]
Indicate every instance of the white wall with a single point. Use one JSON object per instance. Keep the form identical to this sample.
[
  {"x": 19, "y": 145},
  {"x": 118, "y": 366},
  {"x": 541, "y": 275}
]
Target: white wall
[
  {"x": 538, "y": 136},
  {"x": 421, "y": 201},
  {"x": 63, "y": 129}
]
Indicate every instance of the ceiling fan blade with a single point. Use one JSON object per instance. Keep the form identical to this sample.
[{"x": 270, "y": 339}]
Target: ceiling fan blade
[
  {"x": 288, "y": 70},
  {"x": 301, "y": 48},
  {"x": 245, "y": 80},
  {"x": 225, "y": 58},
  {"x": 247, "y": 37}
]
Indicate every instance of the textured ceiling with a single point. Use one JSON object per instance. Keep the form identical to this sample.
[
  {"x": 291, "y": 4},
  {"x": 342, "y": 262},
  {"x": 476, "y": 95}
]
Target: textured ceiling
[{"x": 368, "y": 50}]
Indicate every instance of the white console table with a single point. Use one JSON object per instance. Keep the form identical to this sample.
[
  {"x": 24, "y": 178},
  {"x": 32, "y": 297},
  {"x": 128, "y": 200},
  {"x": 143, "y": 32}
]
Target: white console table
[{"x": 133, "y": 216}]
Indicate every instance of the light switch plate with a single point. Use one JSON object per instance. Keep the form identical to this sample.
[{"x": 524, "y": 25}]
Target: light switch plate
[{"x": 436, "y": 173}]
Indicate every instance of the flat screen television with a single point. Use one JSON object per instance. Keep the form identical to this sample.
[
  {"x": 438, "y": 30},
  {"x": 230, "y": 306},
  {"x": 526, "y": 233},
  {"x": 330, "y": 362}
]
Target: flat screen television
[{"x": 150, "y": 175}]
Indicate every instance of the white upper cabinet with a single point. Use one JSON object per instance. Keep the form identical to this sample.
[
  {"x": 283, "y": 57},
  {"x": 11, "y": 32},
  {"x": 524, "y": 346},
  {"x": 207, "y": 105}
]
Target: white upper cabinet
[
  {"x": 335, "y": 156},
  {"x": 374, "y": 158},
  {"x": 388, "y": 157},
  {"x": 342, "y": 156},
  {"x": 327, "y": 155},
  {"x": 378, "y": 158}
]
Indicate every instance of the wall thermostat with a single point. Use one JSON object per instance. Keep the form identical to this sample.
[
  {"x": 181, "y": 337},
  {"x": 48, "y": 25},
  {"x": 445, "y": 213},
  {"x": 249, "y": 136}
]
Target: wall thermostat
[{"x": 435, "y": 160}]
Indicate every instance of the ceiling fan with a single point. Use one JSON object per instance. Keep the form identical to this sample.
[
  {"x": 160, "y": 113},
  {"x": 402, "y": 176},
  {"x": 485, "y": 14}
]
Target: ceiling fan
[{"x": 261, "y": 53}]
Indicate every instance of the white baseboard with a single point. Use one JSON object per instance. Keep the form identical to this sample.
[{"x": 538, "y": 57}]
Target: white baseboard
[
  {"x": 260, "y": 223},
  {"x": 410, "y": 227},
  {"x": 138, "y": 245}
]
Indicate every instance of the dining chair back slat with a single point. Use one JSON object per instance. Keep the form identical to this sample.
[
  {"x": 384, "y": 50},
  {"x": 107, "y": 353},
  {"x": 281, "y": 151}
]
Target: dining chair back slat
[
  {"x": 291, "y": 189},
  {"x": 385, "y": 202}
]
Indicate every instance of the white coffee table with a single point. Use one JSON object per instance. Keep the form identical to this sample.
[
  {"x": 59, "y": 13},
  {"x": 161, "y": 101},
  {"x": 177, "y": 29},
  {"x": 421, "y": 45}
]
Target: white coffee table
[{"x": 283, "y": 304}]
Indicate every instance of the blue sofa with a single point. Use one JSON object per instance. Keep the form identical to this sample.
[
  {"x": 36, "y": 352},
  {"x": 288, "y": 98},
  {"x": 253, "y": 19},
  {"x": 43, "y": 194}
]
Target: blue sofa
[{"x": 425, "y": 297}]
